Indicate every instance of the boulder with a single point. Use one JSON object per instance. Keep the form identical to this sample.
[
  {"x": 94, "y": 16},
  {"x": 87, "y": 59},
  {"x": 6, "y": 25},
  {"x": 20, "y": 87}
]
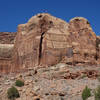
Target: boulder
[{"x": 6, "y": 51}]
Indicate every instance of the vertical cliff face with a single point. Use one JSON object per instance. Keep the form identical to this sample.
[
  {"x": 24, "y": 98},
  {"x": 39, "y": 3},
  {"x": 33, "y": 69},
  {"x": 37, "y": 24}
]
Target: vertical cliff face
[
  {"x": 6, "y": 51},
  {"x": 83, "y": 41},
  {"x": 98, "y": 49},
  {"x": 47, "y": 40},
  {"x": 41, "y": 41}
]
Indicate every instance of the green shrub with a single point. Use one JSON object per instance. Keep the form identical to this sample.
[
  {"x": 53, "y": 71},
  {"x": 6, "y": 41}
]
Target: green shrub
[
  {"x": 83, "y": 76},
  {"x": 97, "y": 93},
  {"x": 86, "y": 93},
  {"x": 98, "y": 78},
  {"x": 19, "y": 83},
  {"x": 13, "y": 93}
]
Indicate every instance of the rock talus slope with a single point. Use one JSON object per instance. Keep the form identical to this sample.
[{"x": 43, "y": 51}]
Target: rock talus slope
[{"x": 58, "y": 82}]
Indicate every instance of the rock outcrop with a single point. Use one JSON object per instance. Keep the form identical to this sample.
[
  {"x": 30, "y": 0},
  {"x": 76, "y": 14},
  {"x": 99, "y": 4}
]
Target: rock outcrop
[
  {"x": 83, "y": 41},
  {"x": 46, "y": 40},
  {"x": 98, "y": 49},
  {"x": 41, "y": 41},
  {"x": 7, "y": 37},
  {"x": 6, "y": 50}
]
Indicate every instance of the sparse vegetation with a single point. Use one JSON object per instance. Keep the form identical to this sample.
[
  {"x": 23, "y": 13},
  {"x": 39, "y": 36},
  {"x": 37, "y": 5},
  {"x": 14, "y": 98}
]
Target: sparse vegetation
[
  {"x": 86, "y": 93},
  {"x": 19, "y": 83},
  {"x": 12, "y": 93},
  {"x": 97, "y": 93},
  {"x": 83, "y": 76},
  {"x": 98, "y": 78}
]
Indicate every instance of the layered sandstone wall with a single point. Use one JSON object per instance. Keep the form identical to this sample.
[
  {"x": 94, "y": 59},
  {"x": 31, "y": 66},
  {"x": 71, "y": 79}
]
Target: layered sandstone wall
[
  {"x": 83, "y": 41},
  {"x": 6, "y": 51},
  {"x": 41, "y": 41},
  {"x": 7, "y": 37},
  {"x": 98, "y": 49},
  {"x": 46, "y": 40}
]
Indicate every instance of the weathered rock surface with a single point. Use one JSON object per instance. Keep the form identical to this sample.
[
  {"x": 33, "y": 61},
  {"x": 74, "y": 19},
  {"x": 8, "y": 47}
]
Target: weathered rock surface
[
  {"x": 41, "y": 41},
  {"x": 6, "y": 50},
  {"x": 46, "y": 40},
  {"x": 7, "y": 37},
  {"x": 83, "y": 41},
  {"x": 98, "y": 49}
]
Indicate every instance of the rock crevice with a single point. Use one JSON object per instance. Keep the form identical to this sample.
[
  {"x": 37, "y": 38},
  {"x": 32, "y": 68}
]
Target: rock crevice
[{"x": 40, "y": 47}]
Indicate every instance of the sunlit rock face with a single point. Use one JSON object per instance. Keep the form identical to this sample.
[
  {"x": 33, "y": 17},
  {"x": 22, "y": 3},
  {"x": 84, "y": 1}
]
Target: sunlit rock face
[
  {"x": 41, "y": 41},
  {"x": 83, "y": 41},
  {"x": 6, "y": 51},
  {"x": 98, "y": 49},
  {"x": 46, "y": 40},
  {"x": 7, "y": 37}
]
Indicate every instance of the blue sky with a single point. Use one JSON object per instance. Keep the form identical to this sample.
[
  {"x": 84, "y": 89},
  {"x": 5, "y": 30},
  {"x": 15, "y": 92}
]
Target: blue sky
[{"x": 14, "y": 12}]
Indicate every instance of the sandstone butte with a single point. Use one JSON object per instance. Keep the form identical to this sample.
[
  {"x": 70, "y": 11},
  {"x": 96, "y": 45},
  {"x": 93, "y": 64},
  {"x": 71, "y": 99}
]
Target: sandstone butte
[{"x": 46, "y": 40}]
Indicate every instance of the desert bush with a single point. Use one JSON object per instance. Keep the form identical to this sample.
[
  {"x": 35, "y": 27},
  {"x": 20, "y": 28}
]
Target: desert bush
[
  {"x": 86, "y": 93},
  {"x": 83, "y": 76},
  {"x": 19, "y": 83},
  {"x": 97, "y": 93},
  {"x": 12, "y": 93},
  {"x": 98, "y": 78}
]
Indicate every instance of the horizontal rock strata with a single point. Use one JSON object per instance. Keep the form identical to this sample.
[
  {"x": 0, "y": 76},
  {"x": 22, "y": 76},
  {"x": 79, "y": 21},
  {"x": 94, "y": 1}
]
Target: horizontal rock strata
[
  {"x": 6, "y": 51},
  {"x": 46, "y": 40}
]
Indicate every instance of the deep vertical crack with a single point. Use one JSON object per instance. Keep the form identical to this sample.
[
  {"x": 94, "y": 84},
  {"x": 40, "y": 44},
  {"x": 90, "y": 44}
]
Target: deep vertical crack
[
  {"x": 40, "y": 46},
  {"x": 97, "y": 49},
  {"x": 45, "y": 25}
]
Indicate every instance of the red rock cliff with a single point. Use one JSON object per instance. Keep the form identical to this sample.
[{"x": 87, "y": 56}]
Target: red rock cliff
[
  {"x": 46, "y": 40},
  {"x": 6, "y": 50}
]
